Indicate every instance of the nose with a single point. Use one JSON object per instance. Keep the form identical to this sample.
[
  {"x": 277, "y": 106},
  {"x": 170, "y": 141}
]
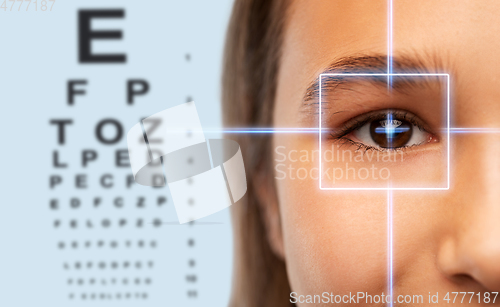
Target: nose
[{"x": 473, "y": 247}]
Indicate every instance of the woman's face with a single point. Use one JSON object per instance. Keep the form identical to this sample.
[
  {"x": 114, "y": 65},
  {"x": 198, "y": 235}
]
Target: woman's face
[{"x": 444, "y": 241}]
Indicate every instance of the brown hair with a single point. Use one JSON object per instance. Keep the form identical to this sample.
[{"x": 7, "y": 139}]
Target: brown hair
[{"x": 251, "y": 65}]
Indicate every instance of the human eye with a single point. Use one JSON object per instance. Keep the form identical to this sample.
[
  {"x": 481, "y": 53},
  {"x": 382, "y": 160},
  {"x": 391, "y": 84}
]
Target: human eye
[{"x": 385, "y": 130}]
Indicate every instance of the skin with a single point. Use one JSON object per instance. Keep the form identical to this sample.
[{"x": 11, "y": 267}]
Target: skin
[{"x": 444, "y": 241}]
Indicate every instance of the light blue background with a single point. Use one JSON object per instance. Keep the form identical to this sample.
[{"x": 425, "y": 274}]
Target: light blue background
[{"x": 38, "y": 54}]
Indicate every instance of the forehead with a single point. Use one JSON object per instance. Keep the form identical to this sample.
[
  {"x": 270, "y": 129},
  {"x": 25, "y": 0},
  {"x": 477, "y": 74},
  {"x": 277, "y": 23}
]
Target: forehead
[{"x": 462, "y": 34}]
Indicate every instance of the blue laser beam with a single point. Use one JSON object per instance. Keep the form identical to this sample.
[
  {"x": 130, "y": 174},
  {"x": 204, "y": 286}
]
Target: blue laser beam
[
  {"x": 389, "y": 192},
  {"x": 474, "y": 130},
  {"x": 330, "y": 130},
  {"x": 390, "y": 245},
  {"x": 389, "y": 44},
  {"x": 391, "y": 131}
]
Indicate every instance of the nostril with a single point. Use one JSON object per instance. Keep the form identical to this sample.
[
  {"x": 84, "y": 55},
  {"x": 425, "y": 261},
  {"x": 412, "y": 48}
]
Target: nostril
[
  {"x": 470, "y": 265},
  {"x": 462, "y": 279}
]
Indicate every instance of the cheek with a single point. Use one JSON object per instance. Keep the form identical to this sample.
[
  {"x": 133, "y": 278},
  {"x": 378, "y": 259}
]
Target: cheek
[{"x": 334, "y": 241}]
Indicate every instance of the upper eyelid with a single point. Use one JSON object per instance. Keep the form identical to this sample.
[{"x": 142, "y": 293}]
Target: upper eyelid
[
  {"x": 412, "y": 62},
  {"x": 345, "y": 91},
  {"x": 401, "y": 84}
]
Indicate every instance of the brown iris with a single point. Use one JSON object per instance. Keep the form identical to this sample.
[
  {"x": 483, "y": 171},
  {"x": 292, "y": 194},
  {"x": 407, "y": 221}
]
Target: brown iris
[{"x": 391, "y": 133}]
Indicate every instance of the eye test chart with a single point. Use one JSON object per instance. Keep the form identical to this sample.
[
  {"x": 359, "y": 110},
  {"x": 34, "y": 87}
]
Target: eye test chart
[{"x": 75, "y": 228}]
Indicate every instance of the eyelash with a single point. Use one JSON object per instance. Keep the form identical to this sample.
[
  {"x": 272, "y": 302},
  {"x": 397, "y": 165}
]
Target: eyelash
[{"x": 358, "y": 122}]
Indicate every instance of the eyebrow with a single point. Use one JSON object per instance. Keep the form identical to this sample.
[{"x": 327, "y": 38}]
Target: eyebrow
[{"x": 377, "y": 64}]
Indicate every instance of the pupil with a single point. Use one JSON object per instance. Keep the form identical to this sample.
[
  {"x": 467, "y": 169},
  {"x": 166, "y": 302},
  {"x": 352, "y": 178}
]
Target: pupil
[{"x": 391, "y": 133}]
